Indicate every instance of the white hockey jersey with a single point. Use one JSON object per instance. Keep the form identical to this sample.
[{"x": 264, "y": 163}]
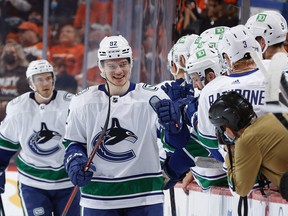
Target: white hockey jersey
[
  {"x": 250, "y": 84},
  {"x": 128, "y": 171},
  {"x": 37, "y": 130}
]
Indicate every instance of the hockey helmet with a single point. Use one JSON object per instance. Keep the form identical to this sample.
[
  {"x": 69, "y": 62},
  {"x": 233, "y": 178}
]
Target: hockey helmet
[
  {"x": 237, "y": 42},
  {"x": 39, "y": 67},
  {"x": 202, "y": 60},
  {"x": 270, "y": 25},
  {"x": 231, "y": 109},
  {"x": 114, "y": 47}
]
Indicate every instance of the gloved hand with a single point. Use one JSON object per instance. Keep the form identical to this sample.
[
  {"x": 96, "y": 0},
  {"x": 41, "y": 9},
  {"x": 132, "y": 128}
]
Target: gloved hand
[
  {"x": 190, "y": 110},
  {"x": 74, "y": 163},
  {"x": 169, "y": 115},
  {"x": 2, "y": 182},
  {"x": 176, "y": 91},
  {"x": 170, "y": 177}
]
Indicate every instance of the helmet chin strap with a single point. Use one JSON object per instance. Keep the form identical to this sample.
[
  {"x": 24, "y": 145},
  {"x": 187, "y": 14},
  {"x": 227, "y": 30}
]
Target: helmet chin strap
[{"x": 32, "y": 86}]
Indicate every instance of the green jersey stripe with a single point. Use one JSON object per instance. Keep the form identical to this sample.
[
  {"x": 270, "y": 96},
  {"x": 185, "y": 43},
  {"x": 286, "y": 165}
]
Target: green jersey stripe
[
  {"x": 123, "y": 188},
  {"x": 41, "y": 173}
]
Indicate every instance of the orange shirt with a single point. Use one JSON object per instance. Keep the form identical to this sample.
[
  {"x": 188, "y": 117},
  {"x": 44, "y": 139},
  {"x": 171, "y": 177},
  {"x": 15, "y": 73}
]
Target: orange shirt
[
  {"x": 73, "y": 57},
  {"x": 93, "y": 75},
  {"x": 100, "y": 12}
]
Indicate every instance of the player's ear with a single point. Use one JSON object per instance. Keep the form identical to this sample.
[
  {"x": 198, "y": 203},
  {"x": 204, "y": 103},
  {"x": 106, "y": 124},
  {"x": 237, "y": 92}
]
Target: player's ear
[
  {"x": 210, "y": 76},
  {"x": 182, "y": 61}
]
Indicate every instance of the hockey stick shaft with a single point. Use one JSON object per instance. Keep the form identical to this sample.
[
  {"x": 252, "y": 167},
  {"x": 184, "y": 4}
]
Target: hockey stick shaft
[
  {"x": 172, "y": 201},
  {"x": 95, "y": 149},
  {"x": 2, "y": 207}
]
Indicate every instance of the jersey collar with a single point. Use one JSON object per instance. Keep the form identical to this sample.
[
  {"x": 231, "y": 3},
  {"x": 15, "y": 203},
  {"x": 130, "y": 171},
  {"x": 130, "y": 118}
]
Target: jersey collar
[
  {"x": 131, "y": 88},
  {"x": 243, "y": 74},
  {"x": 32, "y": 96}
]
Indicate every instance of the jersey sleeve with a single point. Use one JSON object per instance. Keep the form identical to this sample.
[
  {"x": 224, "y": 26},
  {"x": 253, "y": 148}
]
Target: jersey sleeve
[{"x": 75, "y": 124}]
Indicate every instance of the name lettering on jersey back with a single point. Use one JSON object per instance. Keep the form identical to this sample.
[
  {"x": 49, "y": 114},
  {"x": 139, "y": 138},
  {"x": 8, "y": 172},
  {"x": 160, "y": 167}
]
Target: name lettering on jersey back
[{"x": 255, "y": 97}]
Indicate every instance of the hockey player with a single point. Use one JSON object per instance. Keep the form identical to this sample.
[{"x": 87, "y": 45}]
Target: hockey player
[
  {"x": 35, "y": 125},
  {"x": 244, "y": 78},
  {"x": 258, "y": 146},
  {"x": 269, "y": 28},
  {"x": 183, "y": 143},
  {"x": 125, "y": 177}
]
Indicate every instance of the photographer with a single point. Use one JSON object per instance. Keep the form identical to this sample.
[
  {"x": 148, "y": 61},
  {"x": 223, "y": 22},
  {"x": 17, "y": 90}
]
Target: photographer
[{"x": 260, "y": 143}]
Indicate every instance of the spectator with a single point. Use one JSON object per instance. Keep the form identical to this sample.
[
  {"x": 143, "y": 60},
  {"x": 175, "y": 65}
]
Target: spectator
[
  {"x": 189, "y": 15},
  {"x": 13, "y": 82},
  {"x": 101, "y": 12},
  {"x": 96, "y": 34},
  {"x": 259, "y": 148},
  {"x": 13, "y": 65},
  {"x": 64, "y": 81},
  {"x": 214, "y": 16},
  {"x": 29, "y": 38},
  {"x": 69, "y": 49}
]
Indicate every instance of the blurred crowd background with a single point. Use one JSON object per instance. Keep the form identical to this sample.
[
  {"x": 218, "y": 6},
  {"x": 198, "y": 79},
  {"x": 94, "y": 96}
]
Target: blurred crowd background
[{"x": 68, "y": 32}]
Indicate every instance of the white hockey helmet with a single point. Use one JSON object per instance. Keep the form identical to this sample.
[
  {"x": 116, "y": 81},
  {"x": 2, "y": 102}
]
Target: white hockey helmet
[
  {"x": 113, "y": 47},
  {"x": 202, "y": 60},
  {"x": 237, "y": 42},
  {"x": 270, "y": 25},
  {"x": 211, "y": 32},
  {"x": 182, "y": 48},
  {"x": 39, "y": 67},
  {"x": 170, "y": 60}
]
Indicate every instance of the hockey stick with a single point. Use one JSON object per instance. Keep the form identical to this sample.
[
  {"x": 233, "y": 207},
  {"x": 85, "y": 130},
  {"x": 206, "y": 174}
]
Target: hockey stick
[
  {"x": 172, "y": 201},
  {"x": 96, "y": 147},
  {"x": 2, "y": 212},
  {"x": 273, "y": 77}
]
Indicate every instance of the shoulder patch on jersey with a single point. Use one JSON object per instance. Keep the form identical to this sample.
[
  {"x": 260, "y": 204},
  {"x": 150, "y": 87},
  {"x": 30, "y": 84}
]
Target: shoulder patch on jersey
[
  {"x": 82, "y": 92},
  {"x": 68, "y": 96},
  {"x": 149, "y": 87}
]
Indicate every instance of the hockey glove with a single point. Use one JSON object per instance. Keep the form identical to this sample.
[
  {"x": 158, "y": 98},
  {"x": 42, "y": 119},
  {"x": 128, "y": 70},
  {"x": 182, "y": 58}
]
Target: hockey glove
[
  {"x": 170, "y": 177},
  {"x": 169, "y": 115},
  {"x": 176, "y": 91},
  {"x": 191, "y": 109},
  {"x": 74, "y": 163},
  {"x": 2, "y": 182}
]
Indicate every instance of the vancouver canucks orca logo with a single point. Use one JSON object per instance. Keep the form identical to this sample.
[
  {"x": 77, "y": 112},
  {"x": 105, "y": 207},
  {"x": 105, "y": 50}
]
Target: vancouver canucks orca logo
[
  {"x": 43, "y": 142},
  {"x": 114, "y": 136}
]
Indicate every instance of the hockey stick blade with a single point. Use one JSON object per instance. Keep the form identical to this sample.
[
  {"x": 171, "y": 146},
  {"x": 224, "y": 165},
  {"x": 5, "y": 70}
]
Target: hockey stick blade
[
  {"x": 208, "y": 162},
  {"x": 278, "y": 61},
  {"x": 272, "y": 84},
  {"x": 153, "y": 101}
]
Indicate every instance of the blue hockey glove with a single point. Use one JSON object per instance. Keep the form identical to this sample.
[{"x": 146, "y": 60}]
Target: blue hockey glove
[
  {"x": 170, "y": 177},
  {"x": 176, "y": 91},
  {"x": 169, "y": 115},
  {"x": 2, "y": 182},
  {"x": 190, "y": 110},
  {"x": 74, "y": 163}
]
